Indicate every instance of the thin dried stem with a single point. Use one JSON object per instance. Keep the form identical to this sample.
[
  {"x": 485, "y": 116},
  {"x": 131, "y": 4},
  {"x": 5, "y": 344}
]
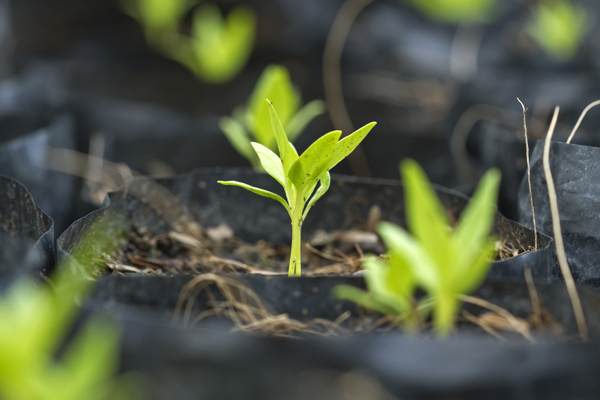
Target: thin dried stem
[
  {"x": 558, "y": 238},
  {"x": 332, "y": 77},
  {"x": 585, "y": 111},
  {"x": 529, "y": 171},
  {"x": 535, "y": 298},
  {"x": 511, "y": 319}
]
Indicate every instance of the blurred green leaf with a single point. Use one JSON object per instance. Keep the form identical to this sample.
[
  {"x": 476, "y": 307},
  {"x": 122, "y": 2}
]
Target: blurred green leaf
[{"x": 559, "y": 27}]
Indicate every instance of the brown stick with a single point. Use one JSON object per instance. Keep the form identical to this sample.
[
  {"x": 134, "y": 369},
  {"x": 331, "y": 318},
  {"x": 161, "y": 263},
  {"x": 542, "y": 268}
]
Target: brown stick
[
  {"x": 585, "y": 111},
  {"x": 332, "y": 78},
  {"x": 558, "y": 238},
  {"x": 529, "y": 171}
]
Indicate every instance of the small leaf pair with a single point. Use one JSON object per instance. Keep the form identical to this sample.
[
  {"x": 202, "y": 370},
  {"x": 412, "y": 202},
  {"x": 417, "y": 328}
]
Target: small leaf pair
[
  {"x": 300, "y": 174},
  {"x": 253, "y": 123},
  {"x": 443, "y": 260},
  {"x": 218, "y": 47}
]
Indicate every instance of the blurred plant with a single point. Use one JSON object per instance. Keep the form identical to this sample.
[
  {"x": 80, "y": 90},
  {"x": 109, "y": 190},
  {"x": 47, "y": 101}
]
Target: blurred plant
[
  {"x": 559, "y": 27},
  {"x": 218, "y": 48},
  {"x": 299, "y": 175},
  {"x": 34, "y": 321},
  {"x": 253, "y": 123},
  {"x": 456, "y": 11},
  {"x": 442, "y": 260}
]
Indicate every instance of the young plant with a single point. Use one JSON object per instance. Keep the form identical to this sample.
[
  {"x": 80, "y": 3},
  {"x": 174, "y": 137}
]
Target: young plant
[
  {"x": 218, "y": 48},
  {"x": 559, "y": 27},
  {"x": 35, "y": 319},
  {"x": 443, "y": 260},
  {"x": 299, "y": 175},
  {"x": 253, "y": 123},
  {"x": 456, "y": 11}
]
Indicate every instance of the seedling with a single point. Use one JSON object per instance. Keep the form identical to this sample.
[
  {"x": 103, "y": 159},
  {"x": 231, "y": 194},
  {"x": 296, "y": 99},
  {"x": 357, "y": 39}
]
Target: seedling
[
  {"x": 299, "y": 175},
  {"x": 34, "y": 321},
  {"x": 253, "y": 123},
  {"x": 218, "y": 48},
  {"x": 559, "y": 27},
  {"x": 456, "y": 11},
  {"x": 443, "y": 260}
]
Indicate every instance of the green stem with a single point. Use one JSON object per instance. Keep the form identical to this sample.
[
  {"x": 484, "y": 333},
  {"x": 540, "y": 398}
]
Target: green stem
[
  {"x": 295, "y": 268},
  {"x": 445, "y": 314}
]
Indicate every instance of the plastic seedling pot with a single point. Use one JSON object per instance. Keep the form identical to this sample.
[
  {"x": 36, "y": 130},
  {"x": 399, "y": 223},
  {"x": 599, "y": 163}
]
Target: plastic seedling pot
[
  {"x": 146, "y": 305},
  {"x": 253, "y": 218},
  {"x": 24, "y": 156},
  {"x": 27, "y": 246},
  {"x": 575, "y": 172}
]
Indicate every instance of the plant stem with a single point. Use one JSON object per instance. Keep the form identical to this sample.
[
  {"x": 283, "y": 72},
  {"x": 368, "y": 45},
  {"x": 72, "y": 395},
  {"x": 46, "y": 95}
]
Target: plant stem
[
  {"x": 296, "y": 252},
  {"x": 444, "y": 314},
  {"x": 295, "y": 268}
]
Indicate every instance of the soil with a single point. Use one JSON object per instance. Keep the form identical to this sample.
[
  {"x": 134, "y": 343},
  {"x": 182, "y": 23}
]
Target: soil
[{"x": 218, "y": 250}]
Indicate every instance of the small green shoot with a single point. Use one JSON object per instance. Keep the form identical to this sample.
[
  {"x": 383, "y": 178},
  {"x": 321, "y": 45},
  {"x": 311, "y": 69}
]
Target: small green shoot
[
  {"x": 253, "y": 123},
  {"x": 442, "y": 260},
  {"x": 34, "y": 321},
  {"x": 456, "y": 11},
  {"x": 559, "y": 27},
  {"x": 218, "y": 48},
  {"x": 299, "y": 175}
]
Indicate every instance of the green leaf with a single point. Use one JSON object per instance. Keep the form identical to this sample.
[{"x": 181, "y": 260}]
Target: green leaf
[
  {"x": 362, "y": 298},
  {"x": 325, "y": 182},
  {"x": 287, "y": 152},
  {"x": 161, "y": 14},
  {"x": 276, "y": 85},
  {"x": 298, "y": 122},
  {"x": 309, "y": 167},
  {"x": 260, "y": 192},
  {"x": 423, "y": 267},
  {"x": 238, "y": 137},
  {"x": 559, "y": 27},
  {"x": 270, "y": 162},
  {"x": 478, "y": 267},
  {"x": 425, "y": 215},
  {"x": 476, "y": 222},
  {"x": 348, "y": 144},
  {"x": 222, "y": 47}
]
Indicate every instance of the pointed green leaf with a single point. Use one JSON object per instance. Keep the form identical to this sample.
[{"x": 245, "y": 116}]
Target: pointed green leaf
[
  {"x": 417, "y": 258},
  {"x": 258, "y": 191},
  {"x": 238, "y": 137},
  {"x": 270, "y": 162},
  {"x": 324, "y": 186},
  {"x": 287, "y": 152},
  {"x": 479, "y": 266},
  {"x": 476, "y": 221},
  {"x": 349, "y": 143},
  {"x": 309, "y": 167},
  {"x": 362, "y": 298},
  {"x": 425, "y": 215},
  {"x": 298, "y": 122}
]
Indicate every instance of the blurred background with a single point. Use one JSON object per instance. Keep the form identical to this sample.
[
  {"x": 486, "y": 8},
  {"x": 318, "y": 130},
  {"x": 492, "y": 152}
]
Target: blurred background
[{"x": 142, "y": 86}]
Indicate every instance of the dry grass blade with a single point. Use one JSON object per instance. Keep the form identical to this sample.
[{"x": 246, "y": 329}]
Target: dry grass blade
[
  {"x": 245, "y": 308},
  {"x": 529, "y": 171},
  {"x": 483, "y": 324},
  {"x": 535, "y": 298},
  {"x": 558, "y": 238},
  {"x": 585, "y": 111},
  {"x": 517, "y": 324}
]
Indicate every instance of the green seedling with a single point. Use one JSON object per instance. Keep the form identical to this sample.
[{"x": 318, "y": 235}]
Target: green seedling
[
  {"x": 299, "y": 175},
  {"x": 253, "y": 123},
  {"x": 157, "y": 17},
  {"x": 35, "y": 319},
  {"x": 559, "y": 27},
  {"x": 217, "y": 49},
  {"x": 443, "y": 260},
  {"x": 456, "y": 11}
]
